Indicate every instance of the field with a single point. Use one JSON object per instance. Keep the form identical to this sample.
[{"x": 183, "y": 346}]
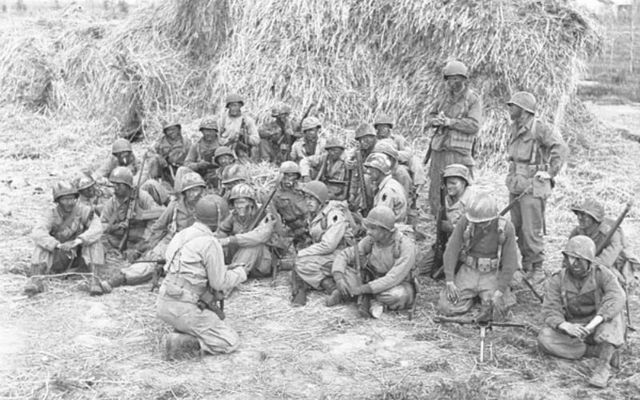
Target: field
[{"x": 63, "y": 344}]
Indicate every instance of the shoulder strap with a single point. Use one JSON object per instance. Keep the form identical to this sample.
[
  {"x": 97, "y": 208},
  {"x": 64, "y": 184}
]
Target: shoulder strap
[{"x": 502, "y": 222}]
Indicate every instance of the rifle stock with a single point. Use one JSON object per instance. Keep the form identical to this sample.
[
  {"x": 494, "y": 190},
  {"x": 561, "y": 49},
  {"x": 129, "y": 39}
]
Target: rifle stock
[
  {"x": 441, "y": 236},
  {"x": 261, "y": 212},
  {"x": 614, "y": 228},
  {"x": 131, "y": 210},
  {"x": 368, "y": 203}
]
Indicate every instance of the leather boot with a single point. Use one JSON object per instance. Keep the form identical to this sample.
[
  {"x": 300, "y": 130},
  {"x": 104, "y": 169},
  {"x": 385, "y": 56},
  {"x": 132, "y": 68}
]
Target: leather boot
[
  {"x": 334, "y": 299},
  {"x": 117, "y": 280},
  {"x": 364, "y": 306},
  {"x": 328, "y": 284},
  {"x": 95, "y": 288},
  {"x": 601, "y": 374},
  {"x": 33, "y": 286},
  {"x": 179, "y": 346},
  {"x": 298, "y": 291}
]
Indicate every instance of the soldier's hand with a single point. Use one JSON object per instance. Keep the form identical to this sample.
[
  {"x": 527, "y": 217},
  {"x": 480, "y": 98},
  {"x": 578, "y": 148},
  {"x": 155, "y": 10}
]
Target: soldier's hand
[
  {"x": 358, "y": 290},
  {"x": 453, "y": 294},
  {"x": 68, "y": 246},
  {"x": 447, "y": 226},
  {"x": 306, "y": 179},
  {"x": 574, "y": 330},
  {"x": 131, "y": 255},
  {"x": 343, "y": 287}
]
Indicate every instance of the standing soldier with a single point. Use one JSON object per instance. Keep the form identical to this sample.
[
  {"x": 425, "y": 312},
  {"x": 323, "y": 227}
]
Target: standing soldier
[
  {"x": 457, "y": 118},
  {"x": 290, "y": 204},
  {"x": 276, "y": 137},
  {"x": 389, "y": 259},
  {"x": 201, "y": 155},
  {"x": 329, "y": 229},
  {"x": 536, "y": 154},
  {"x": 67, "y": 238},
  {"x": 245, "y": 244},
  {"x": 238, "y": 130},
  {"x": 196, "y": 275},
  {"x": 386, "y": 190},
  {"x": 583, "y": 311},
  {"x": 310, "y": 143},
  {"x": 329, "y": 168},
  {"x": 169, "y": 153},
  {"x": 483, "y": 247}
]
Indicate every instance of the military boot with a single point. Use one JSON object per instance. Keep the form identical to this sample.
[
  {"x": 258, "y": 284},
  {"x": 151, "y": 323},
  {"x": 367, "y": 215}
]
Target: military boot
[
  {"x": 601, "y": 375},
  {"x": 33, "y": 286},
  {"x": 179, "y": 346},
  {"x": 117, "y": 280},
  {"x": 95, "y": 287},
  {"x": 334, "y": 299},
  {"x": 328, "y": 284},
  {"x": 298, "y": 291},
  {"x": 364, "y": 306}
]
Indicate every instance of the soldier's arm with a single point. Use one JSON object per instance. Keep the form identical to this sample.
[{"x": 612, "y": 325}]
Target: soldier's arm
[
  {"x": 337, "y": 227},
  {"x": 267, "y": 130},
  {"x": 160, "y": 226},
  {"x": 109, "y": 216},
  {"x": 219, "y": 277},
  {"x": 469, "y": 123},
  {"x": 296, "y": 153},
  {"x": 41, "y": 235},
  {"x": 191, "y": 160},
  {"x": 93, "y": 233},
  {"x": 260, "y": 235},
  {"x": 452, "y": 251},
  {"x": 509, "y": 262},
  {"x": 252, "y": 130},
  {"x": 347, "y": 257},
  {"x": 400, "y": 270},
  {"x": 552, "y": 309},
  {"x": 556, "y": 147},
  {"x": 310, "y": 162},
  {"x": 613, "y": 299},
  {"x": 225, "y": 228},
  {"x": 610, "y": 254}
]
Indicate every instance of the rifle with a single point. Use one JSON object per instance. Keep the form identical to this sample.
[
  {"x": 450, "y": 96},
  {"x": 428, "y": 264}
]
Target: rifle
[
  {"x": 348, "y": 191},
  {"x": 368, "y": 203},
  {"x": 306, "y": 112},
  {"x": 483, "y": 325},
  {"x": 323, "y": 168},
  {"x": 260, "y": 215},
  {"x": 364, "y": 300},
  {"x": 122, "y": 246},
  {"x": 441, "y": 236}
]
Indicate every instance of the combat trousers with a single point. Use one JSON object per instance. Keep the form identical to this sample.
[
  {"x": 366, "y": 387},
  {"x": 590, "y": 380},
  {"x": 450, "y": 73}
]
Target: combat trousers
[
  {"x": 396, "y": 298},
  {"x": 527, "y": 219},
  {"x": 159, "y": 193},
  {"x": 57, "y": 261},
  {"x": 258, "y": 257},
  {"x": 138, "y": 273},
  {"x": 439, "y": 161},
  {"x": 313, "y": 269},
  {"x": 559, "y": 344}
]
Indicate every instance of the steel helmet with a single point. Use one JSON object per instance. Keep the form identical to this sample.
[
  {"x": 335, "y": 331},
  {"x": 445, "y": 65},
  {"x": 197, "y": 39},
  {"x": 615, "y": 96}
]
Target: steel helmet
[
  {"x": 234, "y": 172},
  {"x": 290, "y": 167},
  {"x": 191, "y": 180},
  {"x": 381, "y": 216},
  {"x": 64, "y": 188},
  {"x": 455, "y": 68},
  {"x": 223, "y": 206},
  {"x": 310, "y": 123},
  {"x": 524, "y": 100},
  {"x": 318, "y": 190},
  {"x": 209, "y": 123},
  {"x": 386, "y": 147},
  {"x": 84, "y": 182},
  {"x": 234, "y": 98},
  {"x": 222, "y": 151},
  {"x": 379, "y": 162},
  {"x": 207, "y": 212},
  {"x": 459, "y": 171},
  {"x": 121, "y": 175},
  {"x": 365, "y": 130},
  {"x": 120, "y": 146},
  {"x": 383, "y": 119},
  {"x": 280, "y": 109},
  {"x": 169, "y": 124},
  {"x": 592, "y": 208},
  {"x": 483, "y": 208},
  {"x": 334, "y": 142},
  {"x": 242, "y": 190},
  {"x": 581, "y": 247}
]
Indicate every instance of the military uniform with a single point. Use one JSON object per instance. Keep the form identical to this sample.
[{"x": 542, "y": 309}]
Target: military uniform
[
  {"x": 196, "y": 264},
  {"x": 292, "y": 208},
  {"x": 391, "y": 194},
  {"x": 301, "y": 149},
  {"x": 168, "y": 157},
  {"x": 200, "y": 159},
  {"x": 276, "y": 141},
  {"x": 240, "y": 133}
]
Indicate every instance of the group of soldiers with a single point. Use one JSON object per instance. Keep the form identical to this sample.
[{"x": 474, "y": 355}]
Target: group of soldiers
[{"x": 340, "y": 220}]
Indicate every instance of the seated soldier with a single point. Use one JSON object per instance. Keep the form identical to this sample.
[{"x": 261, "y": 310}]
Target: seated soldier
[
  {"x": 243, "y": 243},
  {"x": 289, "y": 203},
  {"x": 386, "y": 190},
  {"x": 388, "y": 258},
  {"x": 238, "y": 130},
  {"x": 116, "y": 212},
  {"x": 196, "y": 277},
  {"x": 398, "y": 172},
  {"x": 277, "y": 136},
  {"x": 67, "y": 238},
  {"x": 88, "y": 193},
  {"x": 178, "y": 216},
  {"x": 329, "y": 230},
  {"x": 222, "y": 158},
  {"x": 583, "y": 311},
  {"x": 483, "y": 247},
  {"x": 168, "y": 154},
  {"x": 231, "y": 176},
  {"x": 310, "y": 143},
  {"x": 201, "y": 155},
  {"x": 366, "y": 137},
  {"x": 327, "y": 167}
]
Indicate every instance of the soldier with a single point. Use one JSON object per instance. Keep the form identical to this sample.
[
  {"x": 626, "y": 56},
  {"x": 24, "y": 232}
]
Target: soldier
[
  {"x": 88, "y": 193},
  {"x": 457, "y": 118},
  {"x": 178, "y": 216},
  {"x": 243, "y": 243},
  {"x": 290, "y": 204},
  {"x": 328, "y": 168},
  {"x": 67, "y": 238},
  {"x": 277, "y": 136},
  {"x": 365, "y": 135},
  {"x": 116, "y": 211},
  {"x": 310, "y": 143},
  {"x": 386, "y": 190},
  {"x": 169, "y": 153},
  {"x": 483, "y": 245},
  {"x": 231, "y": 176},
  {"x": 329, "y": 229},
  {"x": 201, "y": 155},
  {"x": 398, "y": 172},
  {"x": 238, "y": 130},
  {"x": 583, "y": 311},
  {"x": 536, "y": 154},
  {"x": 389, "y": 259},
  {"x": 196, "y": 274}
]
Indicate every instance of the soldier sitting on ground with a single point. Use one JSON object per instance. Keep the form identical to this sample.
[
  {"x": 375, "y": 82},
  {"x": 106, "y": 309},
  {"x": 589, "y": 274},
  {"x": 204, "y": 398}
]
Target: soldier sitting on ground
[
  {"x": 196, "y": 276},
  {"x": 583, "y": 311},
  {"x": 328, "y": 167},
  {"x": 231, "y": 176},
  {"x": 366, "y": 137},
  {"x": 238, "y": 130},
  {"x": 168, "y": 154},
  {"x": 310, "y": 143},
  {"x": 398, "y": 172},
  {"x": 479, "y": 261},
  {"x": 66, "y": 239},
  {"x": 386, "y": 190},
  {"x": 88, "y": 193},
  {"x": 330, "y": 228},
  {"x": 201, "y": 155},
  {"x": 277, "y": 136},
  {"x": 290, "y": 204},
  {"x": 388, "y": 258}
]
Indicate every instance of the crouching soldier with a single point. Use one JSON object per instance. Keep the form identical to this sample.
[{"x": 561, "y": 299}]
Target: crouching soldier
[
  {"x": 388, "y": 258},
  {"x": 244, "y": 243},
  {"x": 196, "y": 275},
  {"x": 483, "y": 246},
  {"x": 583, "y": 309},
  {"x": 328, "y": 229},
  {"x": 68, "y": 238}
]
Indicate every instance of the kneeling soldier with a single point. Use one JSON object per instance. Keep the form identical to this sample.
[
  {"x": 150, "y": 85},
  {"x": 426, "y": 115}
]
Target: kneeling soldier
[
  {"x": 583, "y": 310},
  {"x": 389, "y": 260},
  {"x": 196, "y": 275}
]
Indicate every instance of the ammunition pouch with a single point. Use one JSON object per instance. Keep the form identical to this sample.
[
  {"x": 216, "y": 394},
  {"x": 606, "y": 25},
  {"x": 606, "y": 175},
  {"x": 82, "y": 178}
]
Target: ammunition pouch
[
  {"x": 209, "y": 300},
  {"x": 482, "y": 264}
]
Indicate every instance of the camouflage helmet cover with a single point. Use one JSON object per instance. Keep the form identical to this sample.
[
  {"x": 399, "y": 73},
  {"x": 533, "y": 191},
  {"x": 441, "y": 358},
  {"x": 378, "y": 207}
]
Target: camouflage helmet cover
[
  {"x": 242, "y": 190},
  {"x": 383, "y": 119},
  {"x": 191, "y": 180},
  {"x": 592, "y": 208},
  {"x": 379, "y": 162},
  {"x": 221, "y": 151},
  {"x": 458, "y": 171},
  {"x": 280, "y": 109},
  {"x": 233, "y": 98},
  {"x": 334, "y": 142},
  {"x": 581, "y": 247},
  {"x": 209, "y": 123},
  {"x": 290, "y": 167},
  {"x": 310, "y": 123},
  {"x": 232, "y": 173}
]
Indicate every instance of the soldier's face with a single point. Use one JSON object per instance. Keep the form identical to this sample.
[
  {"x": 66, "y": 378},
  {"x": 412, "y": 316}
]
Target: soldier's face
[
  {"x": 89, "y": 192},
  {"x": 172, "y": 132},
  {"x": 335, "y": 153},
  {"x": 367, "y": 142},
  {"x": 577, "y": 267},
  {"x": 289, "y": 180},
  {"x": 193, "y": 194},
  {"x": 313, "y": 205},
  {"x": 455, "y": 186},
  {"x": 224, "y": 160},
  {"x": 67, "y": 203},
  {"x": 281, "y": 118},
  {"x": 242, "y": 206},
  {"x": 377, "y": 233},
  {"x": 514, "y": 112},
  {"x": 235, "y": 109},
  {"x": 383, "y": 131},
  {"x": 209, "y": 135},
  {"x": 124, "y": 158},
  {"x": 375, "y": 176},
  {"x": 121, "y": 189},
  {"x": 336, "y": 192},
  {"x": 455, "y": 83},
  {"x": 311, "y": 134},
  {"x": 586, "y": 221}
]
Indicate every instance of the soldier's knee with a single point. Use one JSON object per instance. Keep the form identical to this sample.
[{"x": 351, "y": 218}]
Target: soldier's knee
[{"x": 557, "y": 344}]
